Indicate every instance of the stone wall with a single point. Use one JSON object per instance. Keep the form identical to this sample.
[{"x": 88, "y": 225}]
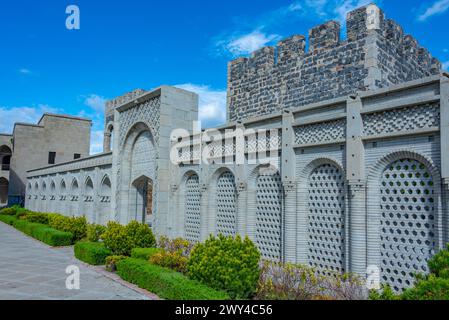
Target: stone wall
[
  {"x": 351, "y": 182},
  {"x": 375, "y": 54}
]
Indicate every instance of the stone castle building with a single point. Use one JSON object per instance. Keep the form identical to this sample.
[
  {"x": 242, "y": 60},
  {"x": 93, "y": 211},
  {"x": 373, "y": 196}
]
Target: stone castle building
[
  {"x": 54, "y": 139},
  {"x": 335, "y": 156}
]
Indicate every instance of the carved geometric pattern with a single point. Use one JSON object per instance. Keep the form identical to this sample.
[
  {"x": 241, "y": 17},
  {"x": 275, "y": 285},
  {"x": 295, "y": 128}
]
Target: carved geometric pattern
[
  {"x": 321, "y": 132},
  {"x": 226, "y": 192},
  {"x": 270, "y": 140},
  {"x": 269, "y": 215},
  {"x": 326, "y": 221},
  {"x": 407, "y": 222},
  {"x": 404, "y": 119},
  {"x": 192, "y": 209},
  {"x": 147, "y": 112}
]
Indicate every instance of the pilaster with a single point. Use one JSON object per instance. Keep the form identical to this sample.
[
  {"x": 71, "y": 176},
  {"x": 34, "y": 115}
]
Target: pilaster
[
  {"x": 289, "y": 222},
  {"x": 356, "y": 239}
]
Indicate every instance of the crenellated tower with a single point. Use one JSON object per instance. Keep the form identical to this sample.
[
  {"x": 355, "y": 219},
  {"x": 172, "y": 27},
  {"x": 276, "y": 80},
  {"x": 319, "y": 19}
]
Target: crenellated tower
[{"x": 375, "y": 54}]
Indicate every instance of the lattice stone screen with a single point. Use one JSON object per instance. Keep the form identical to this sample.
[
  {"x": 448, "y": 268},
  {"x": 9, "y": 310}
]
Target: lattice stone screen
[
  {"x": 192, "y": 209},
  {"x": 407, "y": 222},
  {"x": 226, "y": 192},
  {"x": 404, "y": 119},
  {"x": 326, "y": 220},
  {"x": 268, "y": 216}
]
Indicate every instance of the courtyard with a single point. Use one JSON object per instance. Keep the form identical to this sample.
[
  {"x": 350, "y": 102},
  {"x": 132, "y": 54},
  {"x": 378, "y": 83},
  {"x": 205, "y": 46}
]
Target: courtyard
[{"x": 30, "y": 270}]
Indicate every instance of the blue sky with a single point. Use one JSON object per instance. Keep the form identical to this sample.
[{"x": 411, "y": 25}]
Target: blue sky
[{"x": 123, "y": 45}]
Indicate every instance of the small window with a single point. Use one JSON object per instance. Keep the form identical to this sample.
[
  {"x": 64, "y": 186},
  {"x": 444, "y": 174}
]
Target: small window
[
  {"x": 76, "y": 156},
  {"x": 51, "y": 157}
]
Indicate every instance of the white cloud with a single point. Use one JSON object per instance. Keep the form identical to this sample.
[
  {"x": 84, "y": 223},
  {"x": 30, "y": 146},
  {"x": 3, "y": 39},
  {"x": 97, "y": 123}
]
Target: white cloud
[
  {"x": 436, "y": 8},
  {"x": 250, "y": 42},
  {"x": 445, "y": 66},
  {"x": 10, "y": 115},
  {"x": 24, "y": 71},
  {"x": 96, "y": 103},
  {"x": 244, "y": 41},
  {"x": 96, "y": 142},
  {"x": 212, "y": 104}
]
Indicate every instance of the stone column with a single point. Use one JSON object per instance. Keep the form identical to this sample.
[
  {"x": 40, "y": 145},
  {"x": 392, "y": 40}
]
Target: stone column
[
  {"x": 107, "y": 141},
  {"x": 242, "y": 197},
  {"x": 289, "y": 223},
  {"x": 356, "y": 238},
  {"x": 204, "y": 211}
]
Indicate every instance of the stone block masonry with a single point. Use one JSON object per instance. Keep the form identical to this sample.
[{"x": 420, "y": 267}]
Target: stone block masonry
[{"x": 375, "y": 54}]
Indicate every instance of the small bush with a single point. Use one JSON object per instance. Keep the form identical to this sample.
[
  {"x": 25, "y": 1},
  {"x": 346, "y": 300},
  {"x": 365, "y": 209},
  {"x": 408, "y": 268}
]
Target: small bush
[
  {"x": 172, "y": 260},
  {"x": 8, "y": 212},
  {"x": 94, "y": 253},
  {"x": 176, "y": 245},
  {"x": 431, "y": 288},
  {"x": 44, "y": 233},
  {"x": 35, "y": 217},
  {"x": 144, "y": 253},
  {"x": 226, "y": 263},
  {"x": 140, "y": 235},
  {"x": 122, "y": 239},
  {"x": 111, "y": 262},
  {"x": 288, "y": 282},
  {"x": 279, "y": 281},
  {"x": 439, "y": 264},
  {"x": 386, "y": 293},
  {"x": 75, "y": 225},
  {"x": 164, "y": 282},
  {"x": 94, "y": 232},
  {"x": 8, "y": 219}
]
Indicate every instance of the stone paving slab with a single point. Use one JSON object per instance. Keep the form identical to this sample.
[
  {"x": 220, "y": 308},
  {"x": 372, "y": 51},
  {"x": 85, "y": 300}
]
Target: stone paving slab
[{"x": 31, "y": 270}]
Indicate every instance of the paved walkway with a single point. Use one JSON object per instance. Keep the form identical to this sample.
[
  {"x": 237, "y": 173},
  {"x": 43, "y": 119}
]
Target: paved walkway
[{"x": 31, "y": 270}]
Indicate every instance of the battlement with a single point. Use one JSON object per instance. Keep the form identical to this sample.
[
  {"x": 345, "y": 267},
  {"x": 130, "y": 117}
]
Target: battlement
[
  {"x": 289, "y": 75},
  {"x": 298, "y": 70}
]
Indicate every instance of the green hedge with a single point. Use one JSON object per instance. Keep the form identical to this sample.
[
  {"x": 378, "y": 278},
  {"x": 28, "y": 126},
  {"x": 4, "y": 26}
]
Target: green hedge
[
  {"x": 8, "y": 219},
  {"x": 165, "y": 283},
  {"x": 44, "y": 233},
  {"x": 94, "y": 253},
  {"x": 144, "y": 253}
]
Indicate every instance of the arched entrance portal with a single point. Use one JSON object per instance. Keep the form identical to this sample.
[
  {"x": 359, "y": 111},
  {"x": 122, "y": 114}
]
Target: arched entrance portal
[
  {"x": 142, "y": 199},
  {"x": 3, "y": 192}
]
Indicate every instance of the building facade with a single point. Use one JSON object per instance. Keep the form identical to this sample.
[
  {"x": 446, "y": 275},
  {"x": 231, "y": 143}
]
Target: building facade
[
  {"x": 335, "y": 157},
  {"x": 54, "y": 139}
]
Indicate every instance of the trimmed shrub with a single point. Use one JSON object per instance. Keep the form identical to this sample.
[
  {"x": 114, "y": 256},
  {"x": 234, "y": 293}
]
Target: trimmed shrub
[
  {"x": 432, "y": 288},
  {"x": 94, "y": 253},
  {"x": 122, "y": 239},
  {"x": 439, "y": 264},
  {"x": 44, "y": 233},
  {"x": 144, "y": 253},
  {"x": 8, "y": 212},
  {"x": 94, "y": 232},
  {"x": 75, "y": 225},
  {"x": 35, "y": 217},
  {"x": 8, "y": 219},
  {"x": 111, "y": 262},
  {"x": 226, "y": 263},
  {"x": 164, "y": 282}
]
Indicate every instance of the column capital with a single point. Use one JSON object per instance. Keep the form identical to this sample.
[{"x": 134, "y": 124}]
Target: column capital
[
  {"x": 289, "y": 187},
  {"x": 242, "y": 187}
]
